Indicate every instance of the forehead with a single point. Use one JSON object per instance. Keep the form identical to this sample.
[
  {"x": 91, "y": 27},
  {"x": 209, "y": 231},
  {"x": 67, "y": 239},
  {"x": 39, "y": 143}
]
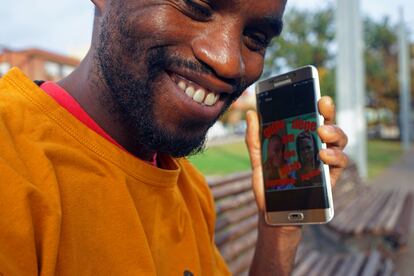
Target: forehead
[
  {"x": 306, "y": 141},
  {"x": 256, "y": 11},
  {"x": 265, "y": 13},
  {"x": 253, "y": 8},
  {"x": 275, "y": 140},
  {"x": 252, "y": 4}
]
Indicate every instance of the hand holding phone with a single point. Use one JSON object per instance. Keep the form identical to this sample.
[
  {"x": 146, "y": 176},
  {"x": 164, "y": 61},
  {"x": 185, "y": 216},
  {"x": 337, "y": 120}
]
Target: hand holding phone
[
  {"x": 296, "y": 183},
  {"x": 276, "y": 245}
]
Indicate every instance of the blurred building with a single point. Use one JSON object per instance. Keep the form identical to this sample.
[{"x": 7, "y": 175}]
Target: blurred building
[
  {"x": 237, "y": 110},
  {"x": 37, "y": 64}
]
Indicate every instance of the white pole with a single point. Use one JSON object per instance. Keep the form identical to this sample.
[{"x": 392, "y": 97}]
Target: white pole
[
  {"x": 350, "y": 81},
  {"x": 405, "y": 97}
]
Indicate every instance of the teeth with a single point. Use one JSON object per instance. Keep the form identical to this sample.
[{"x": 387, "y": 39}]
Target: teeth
[
  {"x": 217, "y": 98},
  {"x": 190, "y": 91},
  {"x": 182, "y": 85},
  {"x": 199, "y": 95},
  {"x": 210, "y": 99}
]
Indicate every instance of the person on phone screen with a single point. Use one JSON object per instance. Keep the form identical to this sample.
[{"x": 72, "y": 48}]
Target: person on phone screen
[
  {"x": 275, "y": 163},
  {"x": 93, "y": 168},
  {"x": 307, "y": 152}
]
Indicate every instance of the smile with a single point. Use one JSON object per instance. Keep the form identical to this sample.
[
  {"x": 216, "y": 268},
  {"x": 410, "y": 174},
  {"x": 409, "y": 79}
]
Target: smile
[{"x": 197, "y": 93}]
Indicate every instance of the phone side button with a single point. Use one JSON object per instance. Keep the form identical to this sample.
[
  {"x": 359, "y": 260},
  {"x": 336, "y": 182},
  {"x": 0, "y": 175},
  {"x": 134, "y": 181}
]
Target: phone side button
[{"x": 295, "y": 217}]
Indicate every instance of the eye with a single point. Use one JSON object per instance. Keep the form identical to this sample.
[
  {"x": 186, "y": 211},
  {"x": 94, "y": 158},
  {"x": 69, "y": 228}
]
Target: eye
[
  {"x": 198, "y": 10},
  {"x": 256, "y": 40}
]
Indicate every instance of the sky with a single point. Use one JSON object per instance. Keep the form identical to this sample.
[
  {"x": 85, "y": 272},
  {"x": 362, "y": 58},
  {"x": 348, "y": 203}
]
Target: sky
[{"x": 65, "y": 26}]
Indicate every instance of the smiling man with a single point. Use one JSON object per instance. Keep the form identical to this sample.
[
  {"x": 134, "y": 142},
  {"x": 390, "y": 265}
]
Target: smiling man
[{"x": 94, "y": 179}]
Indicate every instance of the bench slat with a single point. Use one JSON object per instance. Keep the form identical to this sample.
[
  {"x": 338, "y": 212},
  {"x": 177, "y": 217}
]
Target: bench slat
[
  {"x": 235, "y": 231},
  {"x": 234, "y": 201},
  {"x": 242, "y": 263},
  {"x": 372, "y": 264},
  {"x": 358, "y": 262},
  {"x": 304, "y": 266},
  {"x": 370, "y": 212},
  {"x": 223, "y": 180},
  {"x": 319, "y": 266},
  {"x": 331, "y": 267},
  {"x": 392, "y": 221},
  {"x": 378, "y": 226},
  {"x": 234, "y": 248},
  {"x": 230, "y": 190},
  {"x": 401, "y": 233},
  {"x": 342, "y": 268},
  {"x": 236, "y": 215}
]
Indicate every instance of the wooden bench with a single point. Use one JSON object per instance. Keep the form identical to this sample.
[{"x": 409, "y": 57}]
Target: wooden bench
[
  {"x": 236, "y": 226},
  {"x": 363, "y": 211},
  {"x": 310, "y": 262}
]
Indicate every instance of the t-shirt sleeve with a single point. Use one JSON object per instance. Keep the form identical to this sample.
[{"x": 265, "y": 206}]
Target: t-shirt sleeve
[{"x": 25, "y": 226}]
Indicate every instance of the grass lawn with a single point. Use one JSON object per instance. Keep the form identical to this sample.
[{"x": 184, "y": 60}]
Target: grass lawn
[
  {"x": 382, "y": 154},
  {"x": 230, "y": 158},
  {"x": 223, "y": 159}
]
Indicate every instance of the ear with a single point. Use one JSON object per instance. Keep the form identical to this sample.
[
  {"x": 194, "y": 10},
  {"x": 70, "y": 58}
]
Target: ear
[{"x": 99, "y": 6}]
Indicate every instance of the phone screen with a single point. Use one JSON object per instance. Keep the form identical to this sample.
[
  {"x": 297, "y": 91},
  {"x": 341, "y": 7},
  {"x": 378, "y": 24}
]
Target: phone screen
[{"x": 292, "y": 171}]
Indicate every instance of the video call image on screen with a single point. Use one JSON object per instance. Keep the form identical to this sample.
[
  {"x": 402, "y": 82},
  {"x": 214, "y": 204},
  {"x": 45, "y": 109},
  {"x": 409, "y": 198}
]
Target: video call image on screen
[{"x": 290, "y": 153}]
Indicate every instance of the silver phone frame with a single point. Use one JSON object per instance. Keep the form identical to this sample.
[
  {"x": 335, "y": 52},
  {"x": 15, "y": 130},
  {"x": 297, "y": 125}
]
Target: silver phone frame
[{"x": 310, "y": 216}]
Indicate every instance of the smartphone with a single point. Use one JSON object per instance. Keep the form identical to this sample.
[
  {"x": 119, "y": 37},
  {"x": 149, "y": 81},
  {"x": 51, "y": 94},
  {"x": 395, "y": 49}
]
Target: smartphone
[{"x": 297, "y": 184}]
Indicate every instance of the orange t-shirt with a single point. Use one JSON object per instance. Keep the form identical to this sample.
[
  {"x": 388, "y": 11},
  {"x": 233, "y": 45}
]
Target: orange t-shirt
[{"x": 73, "y": 203}]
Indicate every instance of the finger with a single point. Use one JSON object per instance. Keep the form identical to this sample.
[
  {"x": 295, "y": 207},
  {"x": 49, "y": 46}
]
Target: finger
[
  {"x": 334, "y": 158},
  {"x": 326, "y": 108},
  {"x": 253, "y": 138},
  {"x": 335, "y": 173},
  {"x": 333, "y": 136},
  {"x": 253, "y": 146},
  {"x": 337, "y": 161}
]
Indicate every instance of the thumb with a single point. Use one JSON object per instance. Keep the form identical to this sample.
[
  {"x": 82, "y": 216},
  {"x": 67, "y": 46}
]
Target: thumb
[{"x": 253, "y": 146}]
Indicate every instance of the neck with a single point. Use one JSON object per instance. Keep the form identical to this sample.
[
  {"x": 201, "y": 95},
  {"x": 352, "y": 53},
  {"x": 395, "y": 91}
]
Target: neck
[{"x": 86, "y": 86}]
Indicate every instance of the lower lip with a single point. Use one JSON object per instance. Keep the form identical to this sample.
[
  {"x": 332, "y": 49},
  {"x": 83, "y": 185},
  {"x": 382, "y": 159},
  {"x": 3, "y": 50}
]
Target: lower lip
[{"x": 193, "y": 109}]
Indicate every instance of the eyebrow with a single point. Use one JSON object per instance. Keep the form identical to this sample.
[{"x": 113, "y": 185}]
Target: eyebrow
[{"x": 275, "y": 23}]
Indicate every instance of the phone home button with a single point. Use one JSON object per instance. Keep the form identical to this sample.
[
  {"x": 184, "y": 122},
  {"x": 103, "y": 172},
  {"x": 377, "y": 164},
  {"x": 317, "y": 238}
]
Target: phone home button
[{"x": 295, "y": 216}]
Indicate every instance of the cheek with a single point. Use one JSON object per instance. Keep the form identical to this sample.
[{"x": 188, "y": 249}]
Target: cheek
[
  {"x": 161, "y": 25},
  {"x": 309, "y": 154},
  {"x": 254, "y": 63}
]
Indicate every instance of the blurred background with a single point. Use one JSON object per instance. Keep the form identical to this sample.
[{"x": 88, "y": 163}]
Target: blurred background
[{"x": 364, "y": 53}]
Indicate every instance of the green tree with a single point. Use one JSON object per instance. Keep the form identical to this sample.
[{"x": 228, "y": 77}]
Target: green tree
[
  {"x": 307, "y": 39},
  {"x": 381, "y": 63}
]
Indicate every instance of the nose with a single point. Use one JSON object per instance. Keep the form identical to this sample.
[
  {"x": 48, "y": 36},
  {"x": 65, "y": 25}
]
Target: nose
[{"x": 221, "y": 49}]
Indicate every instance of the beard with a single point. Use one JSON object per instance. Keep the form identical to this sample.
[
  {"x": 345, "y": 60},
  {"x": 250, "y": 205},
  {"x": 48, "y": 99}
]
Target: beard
[{"x": 132, "y": 98}]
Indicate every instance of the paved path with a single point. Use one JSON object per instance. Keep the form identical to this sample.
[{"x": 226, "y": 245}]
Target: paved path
[{"x": 401, "y": 174}]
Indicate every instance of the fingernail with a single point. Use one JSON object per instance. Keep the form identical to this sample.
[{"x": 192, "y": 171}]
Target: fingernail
[
  {"x": 330, "y": 152},
  {"x": 330, "y": 101},
  {"x": 329, "y": 129}
]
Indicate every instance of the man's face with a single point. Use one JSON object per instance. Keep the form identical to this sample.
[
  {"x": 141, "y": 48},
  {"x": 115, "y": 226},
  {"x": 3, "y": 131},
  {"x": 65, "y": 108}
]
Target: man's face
[
  {"x": 174, "y": 66},
  {"x": 307, "y": 151},
  {"x": 275, "y": 151}
]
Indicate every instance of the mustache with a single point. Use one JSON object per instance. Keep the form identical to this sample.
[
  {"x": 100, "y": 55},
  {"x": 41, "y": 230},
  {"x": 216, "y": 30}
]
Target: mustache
[
  {"x": 199, "y": 67},
  {"x": 163, "y": 60}
]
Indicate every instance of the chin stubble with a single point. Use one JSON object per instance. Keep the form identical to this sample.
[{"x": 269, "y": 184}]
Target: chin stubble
[{"x": 131, "y": 96}]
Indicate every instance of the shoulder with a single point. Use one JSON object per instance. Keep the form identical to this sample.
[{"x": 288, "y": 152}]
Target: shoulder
[
  {"x": 35, "y": 204},
  {"x": 22, "y": 132}
]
